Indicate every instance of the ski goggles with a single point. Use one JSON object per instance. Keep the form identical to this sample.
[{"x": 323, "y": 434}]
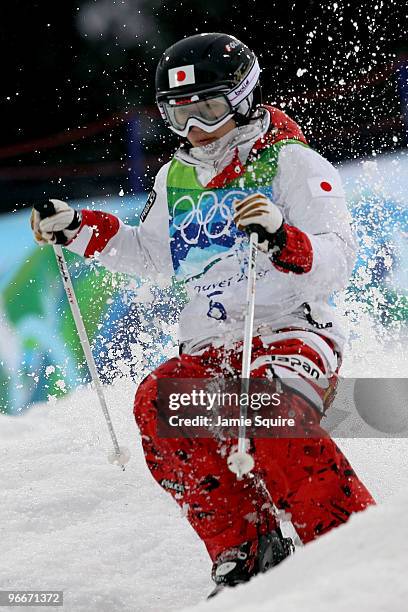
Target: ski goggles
[{"x": 208, "y": 114}]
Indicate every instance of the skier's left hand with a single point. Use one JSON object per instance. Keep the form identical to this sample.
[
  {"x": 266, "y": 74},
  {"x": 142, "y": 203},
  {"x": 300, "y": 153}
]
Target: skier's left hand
[{"x": 256, "y": 213}]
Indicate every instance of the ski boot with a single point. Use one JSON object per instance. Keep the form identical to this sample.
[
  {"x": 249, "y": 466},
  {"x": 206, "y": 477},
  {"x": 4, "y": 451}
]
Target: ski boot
[{"x": 237, "y": 565}]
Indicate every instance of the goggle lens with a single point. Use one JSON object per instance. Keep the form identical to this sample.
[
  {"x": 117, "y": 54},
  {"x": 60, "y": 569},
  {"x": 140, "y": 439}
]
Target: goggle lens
[{"x": 209, "y": 111}]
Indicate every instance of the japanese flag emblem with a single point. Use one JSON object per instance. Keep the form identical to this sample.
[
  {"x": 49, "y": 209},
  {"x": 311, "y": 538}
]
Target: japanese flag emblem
[{"x": 183, "y": 75}]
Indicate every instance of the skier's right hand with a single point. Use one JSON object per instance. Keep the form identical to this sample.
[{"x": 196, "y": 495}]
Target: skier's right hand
[{"x": 54, "y": 222}]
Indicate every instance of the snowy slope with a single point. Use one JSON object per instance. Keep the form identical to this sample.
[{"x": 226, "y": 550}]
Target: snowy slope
[
  {"x": 112, "y": 541},
  {"x": 360, "y": 567},
  {"x": 115, "y": 541}
]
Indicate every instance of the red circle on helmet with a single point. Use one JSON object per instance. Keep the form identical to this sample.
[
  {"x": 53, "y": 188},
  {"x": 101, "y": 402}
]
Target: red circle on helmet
[{"x": 326, "y": 186}]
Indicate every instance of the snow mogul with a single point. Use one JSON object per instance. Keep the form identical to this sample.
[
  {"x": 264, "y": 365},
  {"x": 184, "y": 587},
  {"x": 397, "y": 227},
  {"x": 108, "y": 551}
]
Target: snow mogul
[{"x": 243, "y": 167}]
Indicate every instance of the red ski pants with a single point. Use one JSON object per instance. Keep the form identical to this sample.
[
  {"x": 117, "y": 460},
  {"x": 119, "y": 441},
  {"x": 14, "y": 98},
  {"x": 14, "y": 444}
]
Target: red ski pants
[{"x": 309, "y": 478}]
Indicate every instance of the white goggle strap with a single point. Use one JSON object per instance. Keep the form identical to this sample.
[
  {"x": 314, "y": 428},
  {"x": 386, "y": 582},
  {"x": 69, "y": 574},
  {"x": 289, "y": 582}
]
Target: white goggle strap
[
  {"x": 242, "y": 91},
  {"x": 162, "y": 113}
]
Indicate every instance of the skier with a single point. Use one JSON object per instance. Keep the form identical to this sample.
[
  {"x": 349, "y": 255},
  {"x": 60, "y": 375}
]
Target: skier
[{"x": 243, "y": 167}]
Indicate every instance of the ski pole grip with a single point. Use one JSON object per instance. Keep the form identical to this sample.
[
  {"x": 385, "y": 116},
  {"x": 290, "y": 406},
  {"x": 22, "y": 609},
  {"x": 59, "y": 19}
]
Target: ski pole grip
[{"x": 45, "y": 209}]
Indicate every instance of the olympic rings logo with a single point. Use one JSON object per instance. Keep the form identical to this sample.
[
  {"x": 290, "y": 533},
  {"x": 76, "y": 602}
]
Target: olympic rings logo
[{"x": 208, "y": 211}]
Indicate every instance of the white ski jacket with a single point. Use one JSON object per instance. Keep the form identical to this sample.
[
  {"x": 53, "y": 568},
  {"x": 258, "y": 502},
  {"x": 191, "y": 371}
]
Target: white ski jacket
[{"x": 186, "y": 230}]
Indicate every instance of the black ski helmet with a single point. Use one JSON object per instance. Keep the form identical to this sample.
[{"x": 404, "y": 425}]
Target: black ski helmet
[{"x": 207, "y": 65}]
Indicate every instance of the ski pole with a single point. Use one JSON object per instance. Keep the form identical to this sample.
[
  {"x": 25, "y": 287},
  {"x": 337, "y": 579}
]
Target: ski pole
[
  {"x": 241, "y": 462},
  {"x": 121, "y": 455}
]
